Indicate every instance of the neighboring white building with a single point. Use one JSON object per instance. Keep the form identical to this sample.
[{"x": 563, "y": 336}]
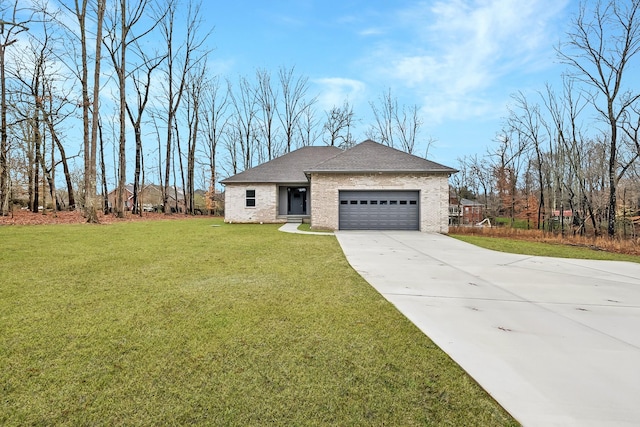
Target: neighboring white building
[{"x": 369, "y": 186}]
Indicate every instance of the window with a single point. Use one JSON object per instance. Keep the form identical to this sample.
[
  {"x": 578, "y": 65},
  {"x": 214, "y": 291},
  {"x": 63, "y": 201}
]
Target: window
[
  {"x": 403, "y": 202},
  {"x": 393, "y": 202},
  {"x": 374, "y": 202},
  {"x": 250, "y": 199},
  {"x": 383, "y": 202},
  {"x": 344, "y": 202},
  {"x": 413, "y": 202},
  {"x": 363, "y": 202},
  {"x": 353, "y": 202}
]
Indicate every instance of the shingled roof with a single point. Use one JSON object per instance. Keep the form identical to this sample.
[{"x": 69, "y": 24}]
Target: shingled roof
[
  {"x": 366, "y": 157},
  {"x": 288, "y": 168},
  {"x": 371, "y": 156}
]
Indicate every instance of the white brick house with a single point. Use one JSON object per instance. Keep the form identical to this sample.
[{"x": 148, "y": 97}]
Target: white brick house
[{"x": 369, "y": 186}]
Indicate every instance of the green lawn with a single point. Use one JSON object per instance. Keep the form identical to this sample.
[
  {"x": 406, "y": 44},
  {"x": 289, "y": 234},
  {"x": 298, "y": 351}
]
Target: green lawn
[
  {"x": 524, "y": 247},
  {"x": 517, "y": 223},
  {"x": 199, "y": 322},
  {"x": 307, "y": 227}
]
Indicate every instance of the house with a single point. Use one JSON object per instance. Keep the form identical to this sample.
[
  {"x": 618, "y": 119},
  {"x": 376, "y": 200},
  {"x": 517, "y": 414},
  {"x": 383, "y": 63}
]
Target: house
[
  {"x": 465, "y": 211},
  {"x": 150, "y": 196},
  {"x": 127, "y": 195},
  {"x": 369, "y": 186}
]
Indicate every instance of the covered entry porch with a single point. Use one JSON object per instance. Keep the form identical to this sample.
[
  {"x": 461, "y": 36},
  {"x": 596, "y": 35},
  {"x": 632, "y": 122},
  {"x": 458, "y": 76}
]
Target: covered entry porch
[{"x": 294, "y": 202}]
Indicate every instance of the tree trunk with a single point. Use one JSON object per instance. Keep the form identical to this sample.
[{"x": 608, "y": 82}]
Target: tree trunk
[
  {"x": 137, "y": 209},
  {"x": 181, "y": 164},
  {"x": 35, "y": 202},
  {"x": 103, "y": 173},
  {"x": 613, "y": 181},
  {"x": 92, "y": 195},
  {"x": 4, "y": 163},
  {"x": 63, "y": 157}
]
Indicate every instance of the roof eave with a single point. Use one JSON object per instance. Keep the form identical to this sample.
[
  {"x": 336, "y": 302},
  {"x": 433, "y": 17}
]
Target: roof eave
[
  {"x": 380, "y": 171},
  {"x": 294, "y": 182}
]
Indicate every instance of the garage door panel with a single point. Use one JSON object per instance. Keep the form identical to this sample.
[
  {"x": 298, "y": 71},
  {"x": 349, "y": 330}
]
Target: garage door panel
[{"x": 379, "y": 210}]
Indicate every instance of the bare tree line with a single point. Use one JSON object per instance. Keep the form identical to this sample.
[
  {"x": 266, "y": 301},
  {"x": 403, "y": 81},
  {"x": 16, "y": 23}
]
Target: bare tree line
[
  {"x": 573, "y": 148},
  {"x": 122, "y": 68},
  {"x": 134, "y": 73}
]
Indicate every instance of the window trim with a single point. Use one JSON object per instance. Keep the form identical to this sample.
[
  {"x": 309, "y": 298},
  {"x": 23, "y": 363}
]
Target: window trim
[{"x": 248, "y": 199}]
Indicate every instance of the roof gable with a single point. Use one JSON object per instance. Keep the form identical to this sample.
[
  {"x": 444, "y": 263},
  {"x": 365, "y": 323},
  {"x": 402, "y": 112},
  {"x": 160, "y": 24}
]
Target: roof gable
[
  {"x": 371, "y": 156},
  {"x": 288, "y": 168}
]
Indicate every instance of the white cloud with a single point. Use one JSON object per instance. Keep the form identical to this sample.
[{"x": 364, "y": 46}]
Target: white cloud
[
  {"x": 371, "y": 31},
  {"x": 459, "y": 49},
  {"x": 335, "y": 90}
]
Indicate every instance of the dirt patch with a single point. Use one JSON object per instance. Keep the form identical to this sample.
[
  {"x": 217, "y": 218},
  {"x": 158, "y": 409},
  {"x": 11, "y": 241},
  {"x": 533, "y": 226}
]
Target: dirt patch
[{"x": 75, "y": 217}]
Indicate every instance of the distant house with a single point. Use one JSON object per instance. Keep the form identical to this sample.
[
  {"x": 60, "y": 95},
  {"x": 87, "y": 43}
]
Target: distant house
[
  {"x": 112, "y": 197},
  {"x": 566, "y": 213},
  {"x": 369, "y": 186},
  {"x": 150, "y": 197},
  {"x": 465, "y": 211}
]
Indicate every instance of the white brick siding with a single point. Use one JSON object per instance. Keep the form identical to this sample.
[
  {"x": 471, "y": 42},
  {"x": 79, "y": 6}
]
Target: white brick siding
[
  {"x": 265, "y": 210},
  {"x": 434, "y": 196}
]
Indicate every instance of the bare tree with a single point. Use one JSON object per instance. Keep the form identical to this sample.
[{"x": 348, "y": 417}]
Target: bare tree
[
  {"x": 384, "y": 114},
  {"x": 215, "y": 125},
  {"x": 480, "y": 173},
  {"x": 526, "y": 119},
  {"x": 394, "y": 125},
  {"x": 43, "y": 109},
  {"x": 338, "y": 126},
  {"x": 568, "y": 151},
  {"x": 194, "y": 101},
  {"x": 408, "y": 124},
  {"x": 10, "y": 26},
  {"x": 91, "y": 182},
  {"x": 509, "y": 159},
  {"x": 29, "y": 72},
  {"x": 294, "y": 104},
  {"x": 631, "y": 128},
  {"x": 462, "y": 186},
  {"x": 267, "y": 99},
  {"x": 89, "y": 103},
  {"x": 120, "y": 36},
  {"x": 244, "y": 122},
  {"x": 230, "y": 138},
  {"x": 49, "y": 113},
  {"x": 141, "y": 78},
  {"x": 599, "y": 48},
  {"x": 55, "y": 100},
  {"x": 181, "y": 58},
  {"x": 308, "y": 127}
]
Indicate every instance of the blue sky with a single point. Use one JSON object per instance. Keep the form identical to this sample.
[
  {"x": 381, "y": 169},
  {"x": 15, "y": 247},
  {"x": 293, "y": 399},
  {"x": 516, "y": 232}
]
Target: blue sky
[{"x": 458, "y": 60}]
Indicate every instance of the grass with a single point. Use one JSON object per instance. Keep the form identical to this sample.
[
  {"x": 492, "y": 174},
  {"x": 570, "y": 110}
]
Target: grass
[
  {"x": 550, "y": 249},
  {"x": 198, "y": 322},
  {"x": 517, "y": 223},
  {"x": 305, "y": 226}
]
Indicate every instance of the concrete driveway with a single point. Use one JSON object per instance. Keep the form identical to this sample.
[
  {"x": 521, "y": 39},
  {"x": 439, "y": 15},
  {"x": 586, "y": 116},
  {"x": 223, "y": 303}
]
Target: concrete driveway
[{"x": 555, "y": 341}]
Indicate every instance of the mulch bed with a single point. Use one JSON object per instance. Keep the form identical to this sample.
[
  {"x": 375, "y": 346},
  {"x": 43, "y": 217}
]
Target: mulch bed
[{"x": 23, "y": 217}]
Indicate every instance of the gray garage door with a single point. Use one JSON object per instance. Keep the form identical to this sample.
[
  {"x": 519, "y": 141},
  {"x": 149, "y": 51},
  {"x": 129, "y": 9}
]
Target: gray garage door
[{"x": 379, "y": 210}]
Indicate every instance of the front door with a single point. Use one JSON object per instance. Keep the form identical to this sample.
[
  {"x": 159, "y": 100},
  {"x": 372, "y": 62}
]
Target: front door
[{"x": 297, "y": 201}]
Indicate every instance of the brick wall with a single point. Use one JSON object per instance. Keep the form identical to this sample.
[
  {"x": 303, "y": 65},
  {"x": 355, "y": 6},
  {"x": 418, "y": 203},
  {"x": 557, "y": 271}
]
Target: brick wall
[
  {"x": 265, "y": 209},
  {"x": 434, "y": 196}
]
